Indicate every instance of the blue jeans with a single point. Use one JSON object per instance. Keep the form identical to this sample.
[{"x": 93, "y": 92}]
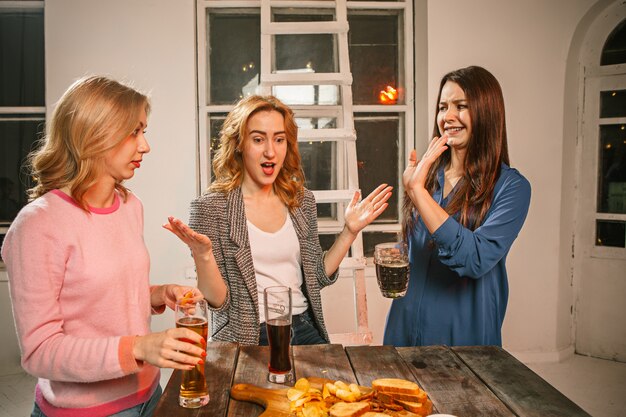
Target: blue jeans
[
  {"x": 303, "y": 331},
  {"x": 140, "y": 410}
]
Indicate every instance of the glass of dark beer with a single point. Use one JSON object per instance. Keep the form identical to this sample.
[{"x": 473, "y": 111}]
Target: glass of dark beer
[
  {"x": 392, "y": 268},
  {"x": 193, "y": 315},
  {"x": 277, "y": 305}
]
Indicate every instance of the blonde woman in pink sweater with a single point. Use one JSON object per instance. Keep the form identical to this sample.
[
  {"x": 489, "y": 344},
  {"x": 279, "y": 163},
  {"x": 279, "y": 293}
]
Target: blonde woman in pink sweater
[{"x": 79, "y": 269}]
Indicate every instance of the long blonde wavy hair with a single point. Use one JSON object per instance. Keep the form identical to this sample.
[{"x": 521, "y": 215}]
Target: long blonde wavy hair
[
  {"x": 92, "y": 117},
  {"x": 228, "y": 162}
]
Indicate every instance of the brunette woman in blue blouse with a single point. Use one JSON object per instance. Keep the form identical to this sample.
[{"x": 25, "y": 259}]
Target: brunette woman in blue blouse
[{"x": 464, "y": 207}]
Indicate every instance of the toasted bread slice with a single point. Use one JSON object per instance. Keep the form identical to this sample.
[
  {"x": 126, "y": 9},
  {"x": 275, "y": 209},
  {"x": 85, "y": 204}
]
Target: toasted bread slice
[
  {"x": 349, "y": 409},
  {"x": 422, "y": 409},
  {"x": 374, "y": 414},
  {"x": 415, "y": 398},
  {"x": 396, "y": 385}
]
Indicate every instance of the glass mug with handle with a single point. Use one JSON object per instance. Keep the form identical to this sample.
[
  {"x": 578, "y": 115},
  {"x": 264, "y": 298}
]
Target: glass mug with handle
[
  {"x": 277, "y": 305},
  {"x": 392, "y": 268},
  {"x": 193, "y": 315}
]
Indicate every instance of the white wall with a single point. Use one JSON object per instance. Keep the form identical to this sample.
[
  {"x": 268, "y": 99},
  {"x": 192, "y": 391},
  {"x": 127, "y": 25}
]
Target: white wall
[
  {"x": 524, "y": 43},
  {"x": 152, "y": 44}
]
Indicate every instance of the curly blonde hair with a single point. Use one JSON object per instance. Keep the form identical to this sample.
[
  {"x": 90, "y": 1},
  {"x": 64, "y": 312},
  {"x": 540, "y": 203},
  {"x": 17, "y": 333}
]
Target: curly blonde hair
[
  {"x": 93, "y": 116},
  {"x": 228, "y": 162}
]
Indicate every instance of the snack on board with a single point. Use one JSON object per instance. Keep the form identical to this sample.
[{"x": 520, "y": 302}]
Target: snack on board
[
  {"x": 389, "y": 397},
  {"x": 403, "y": 393}
]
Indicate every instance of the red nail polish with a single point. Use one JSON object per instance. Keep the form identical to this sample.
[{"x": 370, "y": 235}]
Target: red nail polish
[
  {"x": 204, "y": 354},
  {"x": 200, "y": 362}
]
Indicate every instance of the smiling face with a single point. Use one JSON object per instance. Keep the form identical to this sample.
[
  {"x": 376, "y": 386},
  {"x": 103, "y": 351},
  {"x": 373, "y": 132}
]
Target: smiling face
[
  {"x": 264, "y": 149},
  {"x": 121, "y": 161},
  {"x": 453, "y": 117}
]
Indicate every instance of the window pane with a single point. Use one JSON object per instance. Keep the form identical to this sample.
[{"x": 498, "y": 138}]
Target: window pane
[
  {"x": 613, "y": 103},
  {"x": 234, "y": 56},
  {"x": 327, "y": 211},
  {"x": 306, "y": 52},
  {"x": 17, "y": 140},
  {"x": 378, "y": 153},
  {"x": 374, "y": 56},
  {"x": 215, "y": 125},
  {"x": 371, "y": 239},
  {"x": 610, "y": 233},
  {"x": 317, "y": 161},
  {"x": 614, "y": 51},
  {"x": 612, "y": 169},
  {"x": 22, "y": 58}
]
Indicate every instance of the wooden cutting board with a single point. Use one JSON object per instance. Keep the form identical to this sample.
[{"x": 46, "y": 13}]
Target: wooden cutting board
[{"x": 274, "y": 401}]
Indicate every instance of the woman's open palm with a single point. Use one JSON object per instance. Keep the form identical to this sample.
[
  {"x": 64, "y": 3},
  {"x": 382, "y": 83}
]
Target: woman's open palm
[{"x": 361, "y": 213}]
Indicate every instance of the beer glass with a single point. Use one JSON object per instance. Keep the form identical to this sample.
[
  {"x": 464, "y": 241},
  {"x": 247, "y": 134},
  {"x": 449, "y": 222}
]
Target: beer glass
[
  {"x": 277, "y": 305},
  {"x": 392, "y": 268},
  {"x": 193, "y": 315}
]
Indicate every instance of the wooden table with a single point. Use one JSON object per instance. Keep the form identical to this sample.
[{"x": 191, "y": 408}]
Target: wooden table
[{"x": 463, "y": 381}]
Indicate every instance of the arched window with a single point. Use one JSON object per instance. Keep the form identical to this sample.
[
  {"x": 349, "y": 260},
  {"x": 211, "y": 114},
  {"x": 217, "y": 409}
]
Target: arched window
[
  {"x": 611, "y": 191},
  {"x": 614, "y": 51}
]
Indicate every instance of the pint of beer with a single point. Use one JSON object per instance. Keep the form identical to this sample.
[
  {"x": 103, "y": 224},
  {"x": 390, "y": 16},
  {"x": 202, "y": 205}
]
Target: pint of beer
[
  {"x": 193, "y": 388},
  {"x": 277, "y": 305}
]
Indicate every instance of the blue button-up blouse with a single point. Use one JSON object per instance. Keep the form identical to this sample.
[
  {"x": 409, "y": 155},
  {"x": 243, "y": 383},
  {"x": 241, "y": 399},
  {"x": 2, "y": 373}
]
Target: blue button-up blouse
[{"x": 458, "y": 287}]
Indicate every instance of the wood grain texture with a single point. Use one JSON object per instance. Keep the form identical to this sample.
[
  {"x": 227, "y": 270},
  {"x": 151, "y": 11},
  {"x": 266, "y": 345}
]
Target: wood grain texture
[
  {"x": 373, "y": 362},
  {"x": 220, "y": 364},
  {"x": 251, "y": 369},
  {"x": 323, "y": 361},
  {"x": 274, "y": 401},
  {"x": 450, "y": 384},
  {"x": 525, "y": 392}
]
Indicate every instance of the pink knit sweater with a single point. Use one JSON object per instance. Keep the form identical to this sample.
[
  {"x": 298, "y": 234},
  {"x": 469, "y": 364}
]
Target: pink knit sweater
[{"x": 80, "y": 293}]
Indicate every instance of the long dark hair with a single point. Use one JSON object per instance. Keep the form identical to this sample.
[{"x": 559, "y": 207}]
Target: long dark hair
[{"x": 487, "y": 149}]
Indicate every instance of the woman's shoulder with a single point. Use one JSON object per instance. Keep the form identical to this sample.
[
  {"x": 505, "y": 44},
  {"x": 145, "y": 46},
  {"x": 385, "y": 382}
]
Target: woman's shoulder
[
  {"x": 512, "y": 178},
  {"x": 46, "y": 210},
  {"x": 210, "y": 200},
  {"x": 212, "y": 196}
]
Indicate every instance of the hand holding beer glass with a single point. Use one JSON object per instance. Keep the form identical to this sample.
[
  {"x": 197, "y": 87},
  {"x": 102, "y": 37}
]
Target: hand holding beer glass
[
  {"x": 277, "y": 305},
  {"x": 392, "y": 268},
  {"x": 193, "y": 315}
]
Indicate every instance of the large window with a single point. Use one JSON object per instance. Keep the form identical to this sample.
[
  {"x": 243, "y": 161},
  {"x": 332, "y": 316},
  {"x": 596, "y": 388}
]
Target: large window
[
  {"x": 22, "y": 100},
  {"x": 381, "y": 67},
  {"x": 610, "y": 116}
]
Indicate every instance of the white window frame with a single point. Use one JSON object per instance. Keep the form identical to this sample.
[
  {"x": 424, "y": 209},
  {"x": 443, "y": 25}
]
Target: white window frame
[
  {"x": 406, "y": 111},
  {"x": 597, "y": 78}
]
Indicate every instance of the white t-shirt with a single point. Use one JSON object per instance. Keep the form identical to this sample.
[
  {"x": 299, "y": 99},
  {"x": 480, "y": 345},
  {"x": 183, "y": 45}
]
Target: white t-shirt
[{"x": 276, "y": 259}]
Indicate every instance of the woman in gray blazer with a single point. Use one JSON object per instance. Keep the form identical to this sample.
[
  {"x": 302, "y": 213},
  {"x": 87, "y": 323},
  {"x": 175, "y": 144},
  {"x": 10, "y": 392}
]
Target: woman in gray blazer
[{"x": 257, "y": 227}]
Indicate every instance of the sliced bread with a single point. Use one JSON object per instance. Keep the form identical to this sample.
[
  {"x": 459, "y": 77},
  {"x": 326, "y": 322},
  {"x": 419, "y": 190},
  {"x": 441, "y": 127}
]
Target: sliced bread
[
  {"x": 396, "y": 385},
  {"x": 422, "y": 409}
]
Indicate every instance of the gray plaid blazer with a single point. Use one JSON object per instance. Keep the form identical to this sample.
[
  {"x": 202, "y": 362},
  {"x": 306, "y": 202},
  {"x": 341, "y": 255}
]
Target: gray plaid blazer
[{"x": 222, "y": 217}]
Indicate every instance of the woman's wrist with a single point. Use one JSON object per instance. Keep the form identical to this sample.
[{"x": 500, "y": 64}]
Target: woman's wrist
[{"x": 206, "y": 256}]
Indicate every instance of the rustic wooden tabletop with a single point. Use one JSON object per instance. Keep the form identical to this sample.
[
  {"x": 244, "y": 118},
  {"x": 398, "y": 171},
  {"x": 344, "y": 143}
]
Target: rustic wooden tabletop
[{"x": 466, "y": 381}]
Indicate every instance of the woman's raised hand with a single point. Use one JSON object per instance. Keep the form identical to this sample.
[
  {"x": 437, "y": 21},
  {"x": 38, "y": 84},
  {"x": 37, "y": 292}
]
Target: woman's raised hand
[
  {"x": 415, "y": 174},
  {"x": 361, "y": 213},
  {"x": 198, "y": 243}
]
